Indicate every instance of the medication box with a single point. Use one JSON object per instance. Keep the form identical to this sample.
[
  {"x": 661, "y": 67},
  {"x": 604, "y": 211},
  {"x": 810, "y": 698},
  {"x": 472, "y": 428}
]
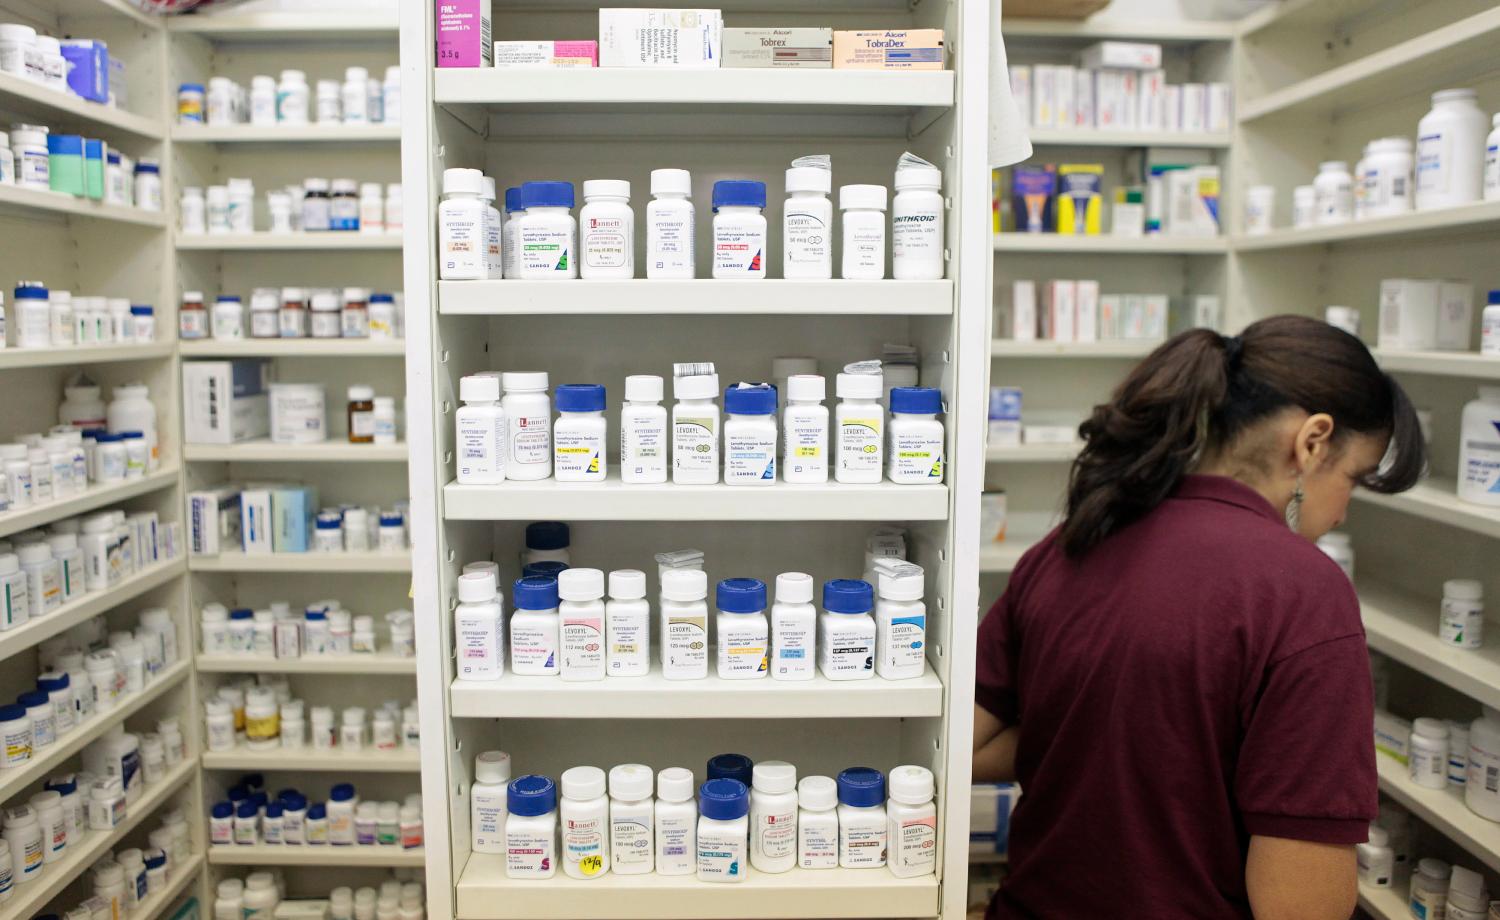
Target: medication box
[
  {"x": 990, "y": 807},
  {"x": 660, "y": 38},
  {"x": 1032, "y": 189},
  {"x": 1127, "y": 55},
  {"x": 293, "y": 509},
  {"x": 890, "y": 49},
  {"x": 1422, "y": 315},
  {"x": 1080, "y": 199},
  {"x": 1060, "y": 311},
  {"x": 1087, "y": 329},
  {"x": 225, "y": 401},
  {"x": 255, "y": 519},
  {"x": 810, "y": 49},
  {"x": 214, "y": 520},
  {"x": 1005, "y": 416},
  {"x": 1392, "y": 735},
  {"x": 463, "y": 33},
  {"x": 88, "y": 68},
  {"x": 1023, "y": 311},
  {"x": 544, "y": 55}
]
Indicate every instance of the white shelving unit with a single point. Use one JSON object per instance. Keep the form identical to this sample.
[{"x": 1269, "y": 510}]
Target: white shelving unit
[
  {"x": 90, "y": 499},
  {"x": 366, "y": 857}
]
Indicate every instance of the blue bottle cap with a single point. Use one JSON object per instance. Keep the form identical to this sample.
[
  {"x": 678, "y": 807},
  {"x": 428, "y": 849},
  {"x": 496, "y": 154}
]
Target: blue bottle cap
[
  {"x": 63, "y": 785},
  {"x": 223, "y": 810},
  {"x": 530, "y": 796},
  {"x": 547, "y": 195},
  {"x": 242, "y": 613},
  {"x": 33, "y": 698},
  {"x": 52, "y": 684},
  {"x": 149, "y": 169},
  {"x": 1494, "y": 297},
  {"x": 238, "y": 794},
  {"x": 580, "y": 397},
  {"x": 741, "y": 595},
  {"x": 535, "y": 592},
  {"x": 112, "y": 158},
  {"x": 391, "y": 519},
  {"x": 190, "y": 88},
  {"x": 862, "y": 787},
  {"x": 154, "y": 862},
  {"x": 739, "y": 192},
  {"x": 248, "y": 809},
  {"x": 382, "y": 298},
  {"x": 141, "y": 309},
  {"x": 756, "y": 399},
  {"x": 108, "y": 438},
  {"x": 724, "y": 799},
  {"x": 547, "y": 535},
  {"x": 513, "y": 200},
  {"x": 31, "y": 290},
  {"x": 274, "y": 809},
  {"x": 229, "y": 298},
  {"x": 10, "y": 712},
  {"x": 64, "y": 145},
  {"x": 127, "y": 435},
  {"x": 315, "y": 614},
  {"x": 292, "y": 800},
  {"x": 253, "y": 781},
  {"x": 343, "y": 792},
  {"x": 916, "y": 400},
  {"x": 731, "y": 766},
  {"x": 259, "y": 800},
  {"x": 317, "y": 812},
  {"x": 546, "y": 568},
  {"x": 848, "y": 595}
]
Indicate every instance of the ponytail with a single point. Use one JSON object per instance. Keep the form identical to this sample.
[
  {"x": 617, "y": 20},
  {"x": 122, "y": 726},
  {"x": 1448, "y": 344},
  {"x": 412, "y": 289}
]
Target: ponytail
[{"x": 1199, "y": 391}]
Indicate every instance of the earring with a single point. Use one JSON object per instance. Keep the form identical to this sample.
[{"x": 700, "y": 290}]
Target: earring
[{"x": 1294, "y": 507}]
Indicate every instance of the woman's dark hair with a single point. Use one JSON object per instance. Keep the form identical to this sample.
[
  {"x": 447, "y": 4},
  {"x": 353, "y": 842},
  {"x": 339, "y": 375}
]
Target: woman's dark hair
[{"x": 1198, "y": 392}]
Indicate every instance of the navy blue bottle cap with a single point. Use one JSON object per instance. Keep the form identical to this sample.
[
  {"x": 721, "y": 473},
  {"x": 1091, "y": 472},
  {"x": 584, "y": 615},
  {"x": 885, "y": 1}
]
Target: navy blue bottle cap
[
  {"x": 862, "y": 787},
  {"x": 741, "y": 595},
  {"x": 343, "y": 792},
  {"x": 724, "y": 799},
  {"x": 547, "y": 535},
  {"x": 10, "y": 712},
  {"x": 547, "y": 195},
  {"x": 739, "y": 192},
  {"x": 916, "y": 400},
  {"x": 536, "y": 592},
  {"x": 317, "y": 812},
  {"x": 291, "y": 800},
  {"x": 731, "y": 766},
  {"x": 248, "y": 809},
  {"x": 223, "y": 810},
  {"x": 848, "y": 595},
  {"x": 759, "y": 399},
  {"x": 33, "y": 698},
  {"x": 513, "y": 200},
  {"x": 274, "y": 809},
  {"x": 531, "y": 795},
  {"x": 579, "y": 397}
]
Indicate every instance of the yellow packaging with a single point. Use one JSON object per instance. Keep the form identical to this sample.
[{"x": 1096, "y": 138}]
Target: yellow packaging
[
  {"x": 888, "y": 49},
  {"x": 1080, "y": 199}
]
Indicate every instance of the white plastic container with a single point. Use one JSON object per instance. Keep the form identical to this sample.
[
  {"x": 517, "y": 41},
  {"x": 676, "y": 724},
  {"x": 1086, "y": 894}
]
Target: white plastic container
[
  {"x": 1491, "y": 162},
  {"x": 862, "y": 818},
  {"x": 1479, "y": 449},
  {"x": 1484, "y": 762},
  {"x": 1451, "y": 150},
  {"x": 794, "y": 628},
  {"x": 900, "y": 621},
  {"x": 859, "y": 424},
  {"x": 461, "y": 227},
  {"x": 846, "y": 631},
  {"x": 627, "y": 625},
  {"x": 739, "y": 229},
  {"x": 1462, "y": 622},
  {"x": 684, "y": 616},
  {"x": 1386, "y": 181},
  {"x": 917, "y": 221},
  {"x": 534, "y": 627},
  {"x": 911, "y": 823},
  {"x": 298, "y": 413},
  {"x": 1427, "y": 760},
  {"x": 670, "y": 226},
  {"x": 1304, "y": 206},
  {"x": 510, "y": 238},
  {"x": 807, "y": 224},
  {"x": 805, "y": 430},
  {"x": 482, "y": 432},
  {"x": 494, "y": 232},
  {"x": 817, "y": 823},
  {"x": 695, "y": 430},
  {"x": 863, "y": 237},
  {"x": 478, "y": 628},
  {"x": 917, "y": 439},
  {"x": 548, "y": 233},
  {"x": 585, "y": 823},
  {"x": 581, "y": 621},
  {"x": 644, "y": 441},
  {"x": 1429, "y": 888},
  {"x": 1375, "y": 859},
  {"x": 750, "y": 435},
  {"x": 743, "y": 634},
  {"x": 773, "y": 817},
  {"x": 292, "y": 98},
  {"x": 487, "y": 801},
  {"x": 608, "y": 225},
  {"x": 676, "y": 823},
  {"x": 528, "y": 414},
  {"x": 531, "y": 828},
  {"x": 631, "y": 819},
  {"x": 723, "y": 831},
  {"x": 579, "y": 435},
  {"x": 1334, "y": 188},
  {"x": 1489, "y": 337}
]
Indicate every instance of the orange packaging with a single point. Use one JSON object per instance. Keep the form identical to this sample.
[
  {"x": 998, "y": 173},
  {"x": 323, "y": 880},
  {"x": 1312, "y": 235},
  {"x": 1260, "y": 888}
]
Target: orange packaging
[{"x": 888, "y": 49}]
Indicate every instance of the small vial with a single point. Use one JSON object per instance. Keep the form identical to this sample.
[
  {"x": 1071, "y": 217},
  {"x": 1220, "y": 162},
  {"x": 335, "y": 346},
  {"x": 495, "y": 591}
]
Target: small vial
[
  {"x": 578, "y": 436},
  {"x": 670, "y": 225},
  {"x": 608, "y": 224},
  {"x": 739, "y": 229},
  {"x": 531, "y": 828},
  {"x": 864, "y": 232},
  {"x": 862, "y": 818},
  {"x": 627, "y": 625},
  {"x": 643, "y": 431},
  {"x": 585, "y": 823}
]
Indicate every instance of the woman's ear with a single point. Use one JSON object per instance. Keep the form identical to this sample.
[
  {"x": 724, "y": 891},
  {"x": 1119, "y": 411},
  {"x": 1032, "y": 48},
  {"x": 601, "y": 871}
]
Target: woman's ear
[{"x": 1314, "y": 442}]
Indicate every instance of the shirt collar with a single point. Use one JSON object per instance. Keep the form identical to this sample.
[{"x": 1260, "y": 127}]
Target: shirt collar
[{"x": 1226, "y": 490}]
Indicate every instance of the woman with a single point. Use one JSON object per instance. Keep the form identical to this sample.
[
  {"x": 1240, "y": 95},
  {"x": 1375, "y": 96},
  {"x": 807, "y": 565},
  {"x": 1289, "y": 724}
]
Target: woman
[{"x": 1177, "y": 676}]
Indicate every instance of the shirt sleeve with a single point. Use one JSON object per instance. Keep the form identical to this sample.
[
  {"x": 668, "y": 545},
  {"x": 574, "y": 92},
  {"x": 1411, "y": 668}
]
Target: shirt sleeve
[{"x": 1306, "y": 769}]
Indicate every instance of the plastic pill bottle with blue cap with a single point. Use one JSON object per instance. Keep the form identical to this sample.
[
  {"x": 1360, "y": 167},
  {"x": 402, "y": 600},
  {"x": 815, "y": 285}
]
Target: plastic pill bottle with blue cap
[
  {"x": 915, "y": 452},
  {"x": 744, "y": 637},
  {"x": 750, "y": 435},
  {"x": 739, "y": 229},
  {"x": 846, "y": 631},
  {"x": 723, "y": 831},
  {"x": 731, "y": 766},
  {"x": 510, "y": 235},
  {"x": 534, "y": 627},
  {"x": 862, "y": 819},
  {"x": 531, "y": 828},
  {"x": 548, "y": 232},
  {"x": 578, "y": 435}
]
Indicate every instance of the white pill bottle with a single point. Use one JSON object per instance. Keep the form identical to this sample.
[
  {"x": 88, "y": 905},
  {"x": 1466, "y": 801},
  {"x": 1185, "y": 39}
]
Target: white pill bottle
[
  {"x": 917, "y": 221},
  {"x": 1450, "y": 150}
]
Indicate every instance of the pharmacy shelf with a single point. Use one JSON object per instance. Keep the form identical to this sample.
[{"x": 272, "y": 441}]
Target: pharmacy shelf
[
  {"x": 288, "y": 242},
  {"x": 485, "y": 893},
  {"x": 1404, "y": 626},
  {"x": 1034, "y": 453},
  {"x": 606, "y": 89},
  {"x": 703, "y": 296},
  {"x": 655, "y": 697},
  {"x": 276, "y": 26},
  {"x": 59, "y": 110},
  {"x": 1003, "y": 557},
  {"x": 1124, "y": 349},
  {"x": 1418, "y": 226},
  {"x": 318, "y": 452},
  {"x": 321, "y": 563},
  {"x": 292, "y": 348},
  {"x": 272, "y": 855},
  {"x": 76, "y": 355},
  {"x": 29, "y": 201},
  {"x": 87, "y": 607},
  {"x": 1055, "y": 137},
  {"x": 179, "y": 875},
  {"x": 1443, "y": 809},
  {"x": 286, "y": 134},
  {"x": 1162, "y": 31},
  {"x": 1383, "y": 903},
  {"x": 306, "y": 758},
  {"x": 1447, "y": 55},
  {"x": 95, "y": 496},
  {"x": 1441, "y": 363},
  {"x": 93, "y": 9},
  {"x": 1437, "y": 500},
  {"x": 47, "y": 759},
  {"x": 1111, "y": 245},
  {"x": 613, "y": 500},
  {"x": 28, "y": 900},
  {"x": 380, "y": 663}
]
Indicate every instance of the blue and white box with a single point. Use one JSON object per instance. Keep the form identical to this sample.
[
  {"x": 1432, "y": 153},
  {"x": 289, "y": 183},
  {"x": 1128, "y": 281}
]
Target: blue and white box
[{"x": 293, "y": 510}]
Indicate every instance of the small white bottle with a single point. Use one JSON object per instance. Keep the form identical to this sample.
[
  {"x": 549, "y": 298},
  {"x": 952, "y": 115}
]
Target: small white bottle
[
  {"x": 581, "y": 619},
  {"x": 534, "y": 627},
  {"x": 478, "y": 627},
  {"x": 743, "y": 634},
  {"x": 608, "y": 224},
  {"x": 1427, "y": 764},
  {"x": 773, "y": 817},
  {"x": 487, "y": 797},
  {"x": 684, "y": 615},
  {"x": 794, "y": 628},
  {"x": 1479, "y": 449},
  {"x": 482, "y": 431},
  {"x": 631, "y": 819},
  {"x": 911, "y": 823},
  {"x": 528, "y": 417},
  {"x": 695, "y": 430},
  {"x": 291, "y": 98},
  {"x": 859, "y": 423},
  {"x": 585, "y": 823},
  {"x": 353, "y": 94},
  {"x": 864, "y": 232},
  {"x": 804, "y": 430},
  {"x": 807, "y": 224},
  {"x": 917, "y": 221},
  {"x": 627, "y": 625},
  {"x": 1462, "y": 622},
  {"x": 578, "y": 436},
  {"x": 862, "y": 830},
  {"x": 900, "y": 621},
  {"x": 817, "y": 823},
  {"x": 670, "y": 226},
  {"x": 510, "y": 235},
  {"x": 1334, "y": 188},
  {"x": 1468, "y": 899},
  {"x": 846, "y": 632},
  {"x": 643, "y": 431},
  {"x": 493, "y": 230},
  {"x": 917, "y": 440},
  {"x": 461, "y": 227},
  {"x": 739, "y": 229},
  {"x": 676, "y": 823},
  {"x": 531, "y": 828},
  {"x": 750, "y": 435},
  {"x": 548, "y": 234},
  {"x": 1375, "y": 859},
  {"x": 723, "y": 831}
]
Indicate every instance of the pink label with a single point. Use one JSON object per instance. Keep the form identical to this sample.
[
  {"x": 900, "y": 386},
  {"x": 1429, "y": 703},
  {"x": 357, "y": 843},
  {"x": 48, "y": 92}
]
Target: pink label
[
  {"x": 582, "y": 51},
  {"x": 463, "y": 33}
]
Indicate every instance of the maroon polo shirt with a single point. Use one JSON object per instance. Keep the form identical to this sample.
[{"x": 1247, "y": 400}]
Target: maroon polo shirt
[{"x": 1197, "y": 678}]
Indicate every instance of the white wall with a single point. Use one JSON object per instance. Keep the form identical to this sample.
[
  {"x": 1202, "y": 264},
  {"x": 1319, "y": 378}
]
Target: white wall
[{"x": 1185, "y": 9}]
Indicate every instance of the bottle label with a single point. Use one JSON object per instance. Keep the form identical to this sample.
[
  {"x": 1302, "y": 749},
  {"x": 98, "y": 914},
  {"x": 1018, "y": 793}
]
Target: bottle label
[
  {"x": 362, "y": 424},
  {"x": 17, "y": 746},
  {"x": 478, "y": 647},
  {"x": 916, "y": 846},
  {"x": 462, "y": 250},
  {"x": 864, "y": 248},
  {"x": 545, "y": 253},
  {"x": 533, "y": 648},
  {"x": 1434, "y": 162},
  {"x": 528, "y": 854},
  {"x": 846, "y": 655},
  {"x": 35, "y": 168},
  {"x": 1461, "y": 623},
  {"x": 675, "y": 843},
  {"x": 777, "y": 834},
  {"x": 817, "y": 845},
  {"x": 583, "y": 846},
  {"x": 530, "y": 439},
  {"x": 861, "y": 846},
  {"x": 481, "y": 448},
  {"x": 792, "y": 649},
  {"x": 742, "y": 653},
  {"x": 916, "y": 234},
  {"x": 1480, "y": 472},
  {"x": 859, "y": 444},
  {"x": 721, "y": 856},
  {"x": 687, "y": 644},
  {"x": 643, "y": 449},
  {"x": 905, "y": 642},
  {"x": 606, "y": 241},
  {"x": 192, "y": 324},
  {"x": 806, "y": 448},
  {"x": 738, "y": 250},
  {"x": 695, "y": 444},
  {"x": 583, "y": 645},
  {"x": 807, "y": 239},
  {"x": 671, "y": 242},
  {"x": 749, "y": 458},
  {"x": 630, "y": 843},
  {"x": 916, "y": 458},
  {"x": 577, "y": 454},
  {"x": 1491, "y": 169},
  {"x": 627, "y": 645}
]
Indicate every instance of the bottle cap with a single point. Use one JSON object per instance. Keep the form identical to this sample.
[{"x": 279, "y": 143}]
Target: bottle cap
[
  {"x": 631, "y": 782},
  {"x": 774, "y": 777},
  {"x": 731, "y": 766},
  {"x": 361, "y": 393},
  {"x": 739, "y": 193},
  {"x": 247, "y": 809},
  {"x": 809, "y": 179},
  {"x": 723, "y": 799},
  {"x": 606, "y": 188},
  {"x": 916, "y": 400},
  {"x": 862, "y": 197},
  {"x": 817, "y": 793},
  {"x": 476, "y": 588},
  {"x": 537, "y": 592},
  {"x": 697, "y": 386},
  {"x": 583, "y": 783},
  {"x": 530, "y": 796},
  {"x": 643, "y": 388},
  {"x": 547, "y": 535},
  {"x": 847, "y": 595},
  {"x": 580, "y": 397},
  {"x": 750, "y": 399},
  {"x": 684, "y": 585},
  {"x": 918, "y": 177},
  {"x": 524, "y": 381},
  {"x": 671, "y": 182},
  {"x": 806, "y": 388},
  {"x": 343, "y": 792},
  {"x": 1463, "y": 589},
  {"x": 627, "y": 584},
  {"x": 222, "y": 810},
  {"x": 488, "y": 193},
  {"x": 741, "y": 595},
  {"x": 860, "y": 386},
  {"x": 492, "y": 767},
  {"x": 794, "y": 588},
  {"x": 674, "y": 784},
  {"x": 911, "y": 785},
  {"x": 546, "y": 195},
  {"x": 513, "y": 200},
  {"x": 1432, "y": 868},
  {"x": 899, "y": 580},
  {"x": 1429, "y": 728},
  {"x": 580, "y": 585},
  {"x": 862, "y": 787},
  {"x": 455, "y": 182}
]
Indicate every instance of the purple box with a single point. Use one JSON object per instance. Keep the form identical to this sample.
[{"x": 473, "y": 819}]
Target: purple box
[
  {"x": 88, "y": 69},
  {"x": 463, "y": 33}
]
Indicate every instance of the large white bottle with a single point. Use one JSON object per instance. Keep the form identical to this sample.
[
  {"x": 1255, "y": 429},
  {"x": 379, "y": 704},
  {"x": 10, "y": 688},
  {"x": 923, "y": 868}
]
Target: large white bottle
[
  {"x": 1450, "y": 150},
  {"x": 807, "y": 223},
  {"x": 482, "y": 432},
  {"x": 461, "y": 227},
  {"x": 1479, "y": 449}
]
